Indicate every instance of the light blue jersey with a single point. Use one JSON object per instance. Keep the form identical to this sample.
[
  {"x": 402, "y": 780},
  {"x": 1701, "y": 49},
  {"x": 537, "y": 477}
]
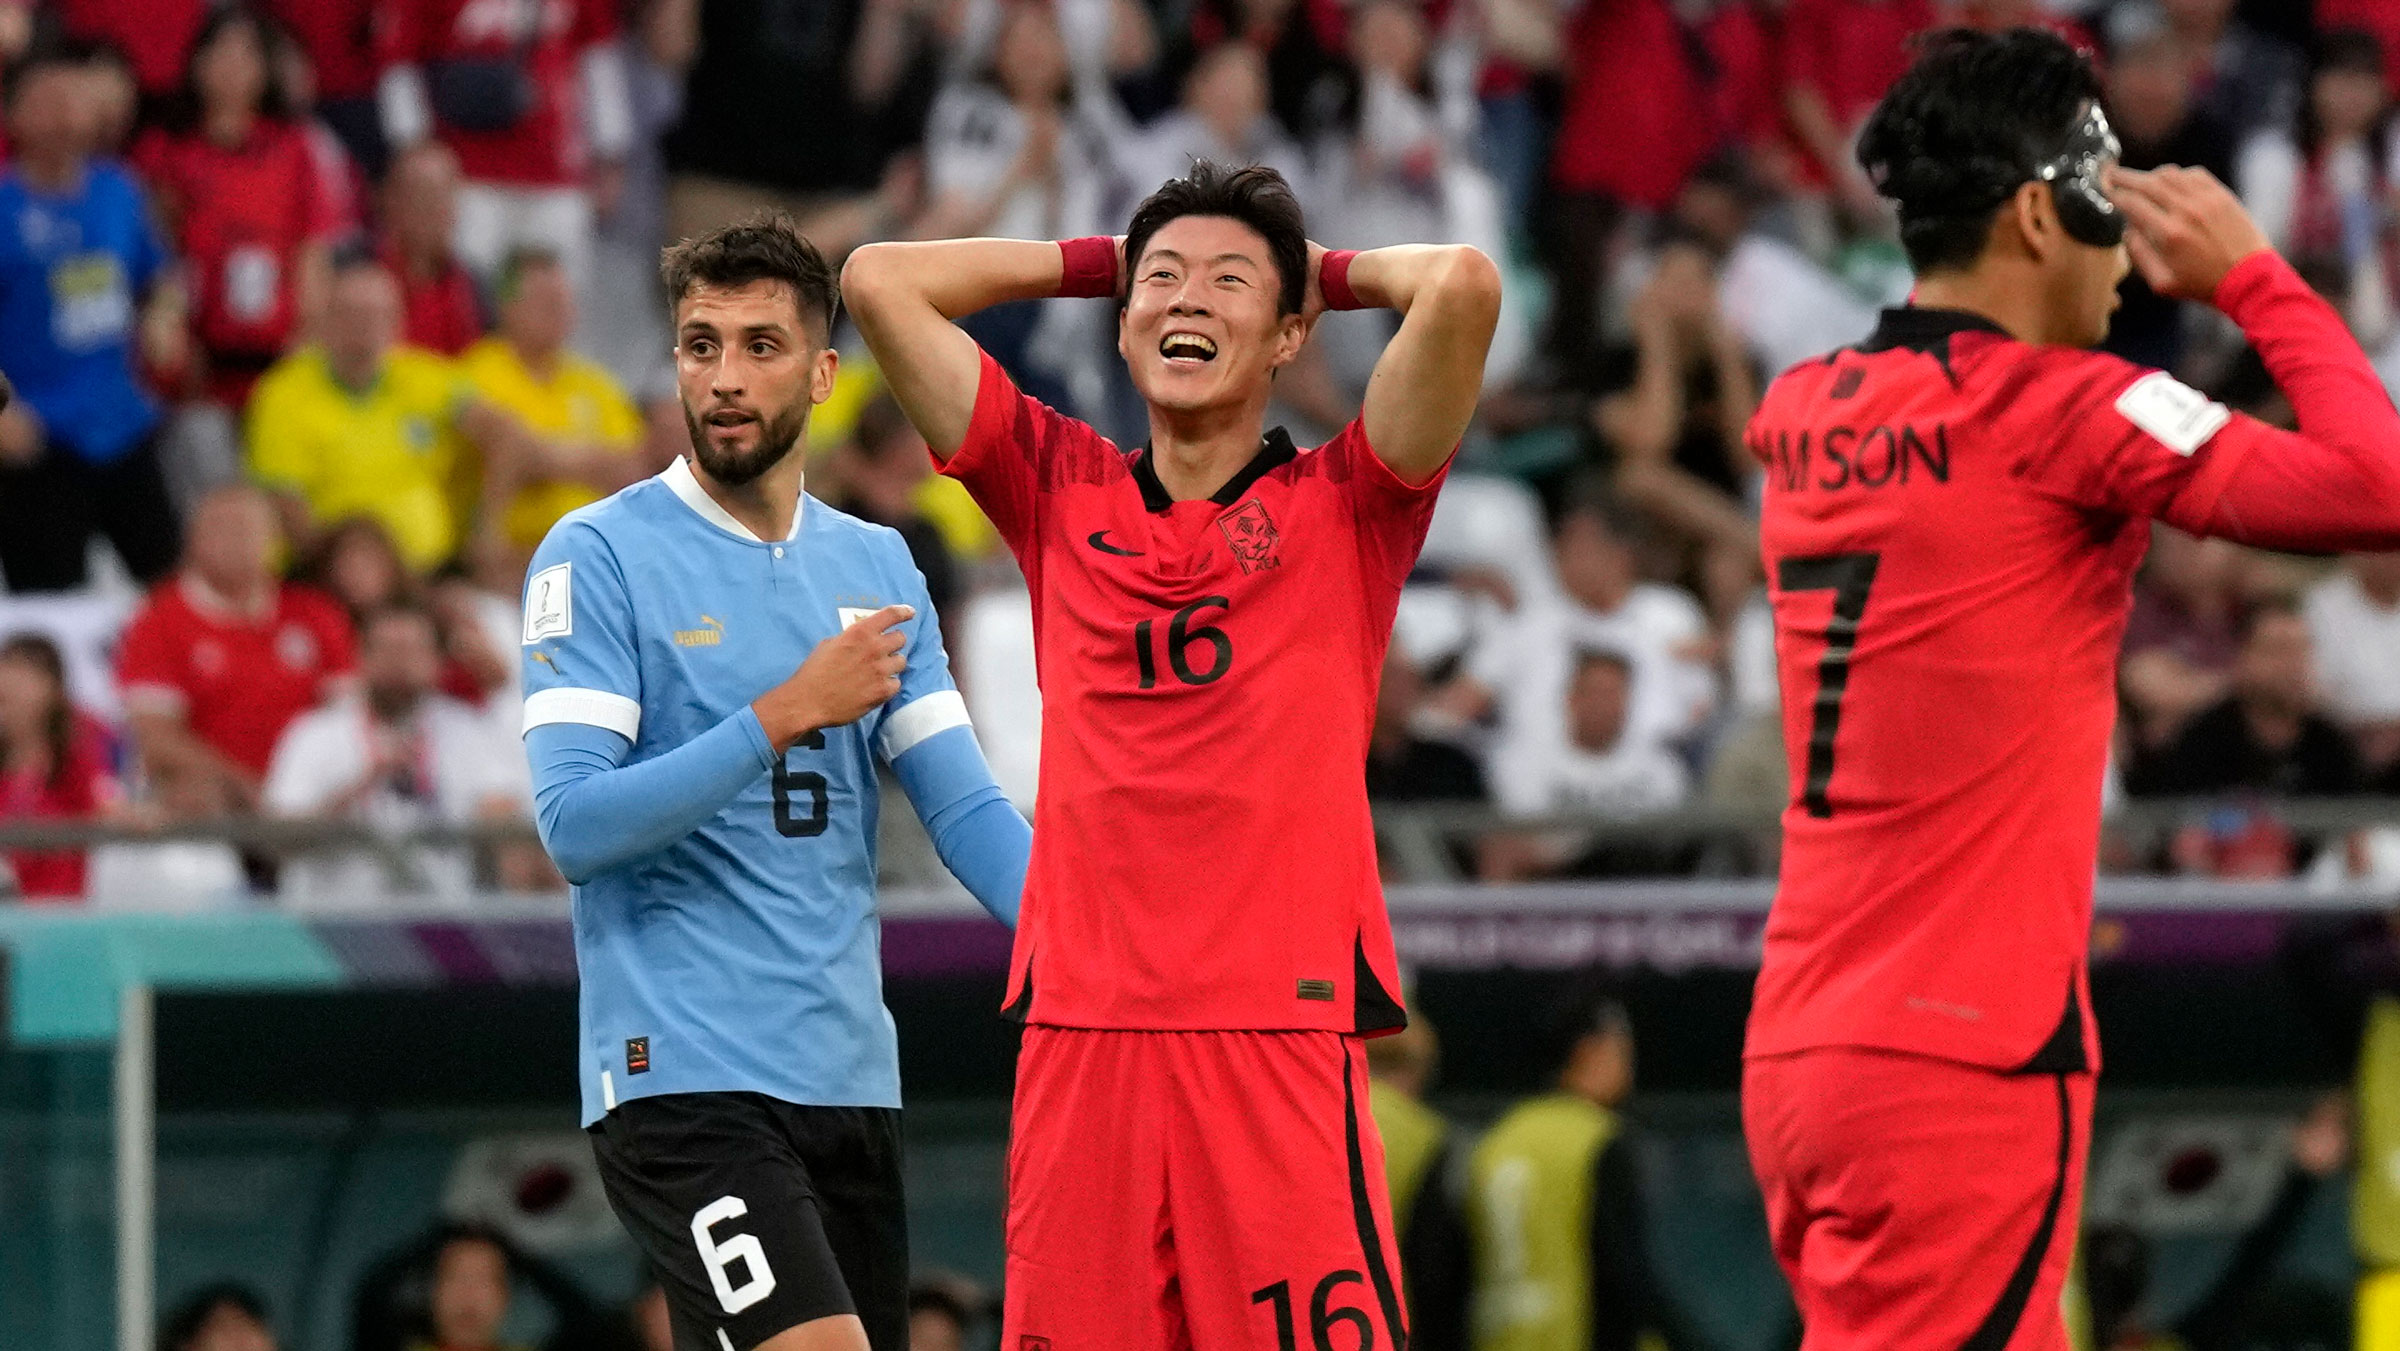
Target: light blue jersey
[{"x": 724, "y": 899}]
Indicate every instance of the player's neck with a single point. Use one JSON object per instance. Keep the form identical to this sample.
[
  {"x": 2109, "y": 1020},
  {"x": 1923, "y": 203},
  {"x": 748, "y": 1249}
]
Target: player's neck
[
  {"x": 766, "y": 505},
  {"x": 1195, "y": 452},
  {"x": 2006, "y": 296}
]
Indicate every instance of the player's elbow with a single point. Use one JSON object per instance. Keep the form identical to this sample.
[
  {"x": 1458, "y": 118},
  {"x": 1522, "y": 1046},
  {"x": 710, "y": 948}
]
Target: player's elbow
[
  {"x": 869, "y": 278},
  {"x": 578, "y": 858},
  {"x": 1470, "y": 283}
]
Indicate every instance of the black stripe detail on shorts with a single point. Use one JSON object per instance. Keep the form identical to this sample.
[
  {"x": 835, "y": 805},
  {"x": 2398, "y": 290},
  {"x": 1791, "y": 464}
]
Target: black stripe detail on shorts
[
  {"x": 1363, "y": 1210},
  {"x": 2001, "y": 1323}
]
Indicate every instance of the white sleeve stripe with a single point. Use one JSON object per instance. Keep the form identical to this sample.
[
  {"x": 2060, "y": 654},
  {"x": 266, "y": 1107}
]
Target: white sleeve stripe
[
  {"x": 594, "y": 708},
  {"x": 936, "y": 712}
]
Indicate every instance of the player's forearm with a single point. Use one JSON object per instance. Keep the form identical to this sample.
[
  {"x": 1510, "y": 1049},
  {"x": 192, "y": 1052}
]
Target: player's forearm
[
  {"x": 952, "y": 277},
  {"x": 980, "y": 837},
  {"x": 2337, "y": 484},
  {"x": 594, "y": 813}
]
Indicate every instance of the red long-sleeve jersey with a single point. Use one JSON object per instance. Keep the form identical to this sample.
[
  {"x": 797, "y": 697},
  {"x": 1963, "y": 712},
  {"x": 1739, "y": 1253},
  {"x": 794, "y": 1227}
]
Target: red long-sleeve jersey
[{"x": 1951, "y": 528}]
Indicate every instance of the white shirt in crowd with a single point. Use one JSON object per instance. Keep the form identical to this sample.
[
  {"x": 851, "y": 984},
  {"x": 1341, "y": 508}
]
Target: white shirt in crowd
[
  {"x": 2357, "y": 648},
  {"x": 1528, "y": 662},
  {"x": 1629, "y": 779},
  {"x": 464, "y": 764}
]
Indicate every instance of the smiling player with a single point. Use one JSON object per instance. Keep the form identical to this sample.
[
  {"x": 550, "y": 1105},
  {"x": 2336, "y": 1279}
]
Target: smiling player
[{"x": 1191, "y": 1161}]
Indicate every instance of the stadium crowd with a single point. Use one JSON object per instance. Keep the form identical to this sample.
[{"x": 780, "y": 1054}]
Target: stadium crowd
[{"x": 321, "y": 312}]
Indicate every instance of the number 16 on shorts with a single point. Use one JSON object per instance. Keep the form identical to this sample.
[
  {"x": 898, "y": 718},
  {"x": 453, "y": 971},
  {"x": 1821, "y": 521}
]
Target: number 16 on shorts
[{"x": 719, "y": 1253}]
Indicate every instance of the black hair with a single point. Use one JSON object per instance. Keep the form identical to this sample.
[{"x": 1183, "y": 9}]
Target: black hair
[
  {"x": 58, "y": 728},
  {"x": 44, "y": 54},
  {"x": 522, "y": 259},
  {"x": 183, "y": 112},
  {"x": 353, "y": 254},
  {"x": 184, "y": 1324},
  {"x": 1601, "y": 654},
  {"x": 2344, "y": 49},
  {"x": 1255, "y": 195},
  {"x": 880, "y": 426},
  {"x": 767, "y": 246},
  {"x": 939, "y": 1299},
  {"x": 1591, "y": 1005},
  {"x": 1969, "y": 123},
  {"x": 2260, "y": 609}
]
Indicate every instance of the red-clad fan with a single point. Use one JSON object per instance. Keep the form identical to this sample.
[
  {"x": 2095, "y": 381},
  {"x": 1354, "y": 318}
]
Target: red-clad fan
[
  {"x": 338, "y": 39},
  {"x": 155, "y": 35},
  {"x": 57, "y": 763},
  {"x": 533, "y": 98},
  {"x": 223, "y": 655},
  {"x": 1203, "y": 941},
  {"x": 443, "y": 311},
  {"x": 1954, "y": 513},
  {"x": 1838, "y": 58},
  {"x": 237, "y": 187}
]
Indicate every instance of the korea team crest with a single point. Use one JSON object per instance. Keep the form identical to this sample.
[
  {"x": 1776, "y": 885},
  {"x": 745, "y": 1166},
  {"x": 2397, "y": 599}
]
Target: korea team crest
[{"x": 1252, "y": 536}]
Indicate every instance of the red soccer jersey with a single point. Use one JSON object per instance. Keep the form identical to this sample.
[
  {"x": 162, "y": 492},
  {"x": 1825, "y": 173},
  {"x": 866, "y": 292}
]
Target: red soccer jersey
[
  {"x": 1951, "y": 528},
  {"x": 239, "y": 679},
  {"x": 241, "y": 215},
  {"x": 547, "y": 148},
  {"x": 1203, "y": 858}
]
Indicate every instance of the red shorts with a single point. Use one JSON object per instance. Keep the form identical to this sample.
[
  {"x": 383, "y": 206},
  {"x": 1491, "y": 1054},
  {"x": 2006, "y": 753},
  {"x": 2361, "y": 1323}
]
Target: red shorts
[
  {"x": 1915, "y": 1202},
  {"x": 1172, "y": 1190}
]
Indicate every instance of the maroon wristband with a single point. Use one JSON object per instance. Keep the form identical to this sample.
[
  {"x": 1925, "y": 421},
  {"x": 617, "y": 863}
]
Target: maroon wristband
[
  {"x": 1087, "y": 267},
  {"x": 1333, "y": 281}
]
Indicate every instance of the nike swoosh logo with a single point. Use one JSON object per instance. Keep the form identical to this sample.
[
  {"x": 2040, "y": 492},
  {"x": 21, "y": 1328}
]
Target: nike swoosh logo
[{"x": 1099, "y": 540}]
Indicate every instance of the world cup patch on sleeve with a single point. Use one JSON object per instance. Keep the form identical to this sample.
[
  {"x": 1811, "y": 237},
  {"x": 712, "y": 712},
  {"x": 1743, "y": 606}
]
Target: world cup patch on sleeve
[
  {"x": 2180, "y": 417},
  {"x": 550, "y": 603}
]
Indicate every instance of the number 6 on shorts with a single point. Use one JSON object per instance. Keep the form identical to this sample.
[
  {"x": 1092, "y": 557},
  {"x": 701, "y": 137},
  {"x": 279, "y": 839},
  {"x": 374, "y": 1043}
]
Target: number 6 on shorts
[{"x": 717, "y": 1256}]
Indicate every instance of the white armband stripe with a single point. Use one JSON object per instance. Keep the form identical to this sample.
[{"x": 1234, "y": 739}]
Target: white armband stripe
[
  {"x": 905, "y": 727},
  {"x": 593, "y": 708}
]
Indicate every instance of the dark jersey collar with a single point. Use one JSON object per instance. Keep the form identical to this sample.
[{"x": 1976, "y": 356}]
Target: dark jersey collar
[
  {"x": 1275, "y": 450},
  {"x": 1921, "y": 329}
]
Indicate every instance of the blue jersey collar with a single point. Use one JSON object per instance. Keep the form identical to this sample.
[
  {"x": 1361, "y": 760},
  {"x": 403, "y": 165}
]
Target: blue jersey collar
[{"x": 680, "y": 479}]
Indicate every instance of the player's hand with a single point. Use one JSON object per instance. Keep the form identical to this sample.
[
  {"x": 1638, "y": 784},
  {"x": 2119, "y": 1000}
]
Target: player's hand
[
  {"x": 846, "y": 678},
  {"x": 1312, "y": 303},
  {"x": 20, "y": 434},
  {"x": 2185, "y": 229}
]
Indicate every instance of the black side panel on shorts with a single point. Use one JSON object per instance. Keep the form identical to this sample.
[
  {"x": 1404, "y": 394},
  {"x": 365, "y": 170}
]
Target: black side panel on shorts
[
  {"x": 1378, "y": 1271},
  {"x": 2001, "y": 1323}
]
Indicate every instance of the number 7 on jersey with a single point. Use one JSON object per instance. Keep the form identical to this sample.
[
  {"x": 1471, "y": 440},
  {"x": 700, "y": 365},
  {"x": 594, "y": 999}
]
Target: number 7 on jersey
[{"x": 1849, "y": 577}]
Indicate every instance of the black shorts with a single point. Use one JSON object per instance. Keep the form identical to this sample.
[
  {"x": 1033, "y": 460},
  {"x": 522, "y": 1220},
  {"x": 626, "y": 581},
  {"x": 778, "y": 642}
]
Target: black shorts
[
  {"x": 50, "y": 508},
  {"x": 760, "y": 1214}
]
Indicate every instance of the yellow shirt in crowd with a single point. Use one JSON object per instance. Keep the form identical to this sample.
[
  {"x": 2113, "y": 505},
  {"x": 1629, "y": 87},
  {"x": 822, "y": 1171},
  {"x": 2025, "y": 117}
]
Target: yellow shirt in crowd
[
  {"x": 580, "y": 404},
  {"x": 389, "y": 452}
]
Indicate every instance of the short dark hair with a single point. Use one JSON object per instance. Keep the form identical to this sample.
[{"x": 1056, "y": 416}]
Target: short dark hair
[
  {"x": 45, "y": 53},
  {"x": 522, "y": 259},
  {"x": 1592, "y": 1004},
  {"x": 184, "y": 1324},
  {"x": 1970, "y": 122},
  {"x": 932, "y": 1298},
  {"x": 880, "y": 426},
  {"x": 182, "y": 112},
  {"x": 1253, "y": 194},
  {"x": 767, "y": 246}
]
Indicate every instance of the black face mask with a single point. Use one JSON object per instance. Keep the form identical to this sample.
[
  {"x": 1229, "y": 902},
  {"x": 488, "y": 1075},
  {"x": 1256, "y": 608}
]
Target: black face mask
[{"x": 2074, "y": 178}]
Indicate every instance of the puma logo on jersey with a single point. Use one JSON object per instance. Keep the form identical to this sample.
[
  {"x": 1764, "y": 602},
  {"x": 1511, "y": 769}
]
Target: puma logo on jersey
[
  {"x": 1099, "y": 540},
  {"x": 1253, "y": 537},
  {"x": 710, "y": 633}
]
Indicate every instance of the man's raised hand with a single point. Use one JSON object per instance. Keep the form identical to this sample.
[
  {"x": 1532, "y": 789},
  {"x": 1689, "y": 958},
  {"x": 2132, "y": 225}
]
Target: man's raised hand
[
  {"x": 2185, "y": 229},
  {"x": 847, "y": 677}
]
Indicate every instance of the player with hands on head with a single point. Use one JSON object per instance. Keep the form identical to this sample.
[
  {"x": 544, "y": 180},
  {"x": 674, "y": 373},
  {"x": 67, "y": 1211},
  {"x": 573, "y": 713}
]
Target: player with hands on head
[
  {"x": 1191, "y": 1162},
  {"x": 714, "y": 664},
  {"x": 1954, "y": 512}
]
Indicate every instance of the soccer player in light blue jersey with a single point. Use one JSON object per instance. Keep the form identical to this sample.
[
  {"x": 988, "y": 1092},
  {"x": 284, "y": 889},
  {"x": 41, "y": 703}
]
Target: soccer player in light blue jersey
[{"x": 715, "y": 809}]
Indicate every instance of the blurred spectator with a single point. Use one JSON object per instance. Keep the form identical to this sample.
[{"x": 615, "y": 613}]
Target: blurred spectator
[
  {"x": 119, "y": 104},
  {"x": 357, "y": 424},
  {"x": 2266, "y": 736},
  {"x": 2247, "y": 79},
  {"x": 420, "y": 213},
  {"x": 225, "y": 1317},
  {"x": 1635, "y": 124},
  {"x": 1676, "y": 431},
  {"x": 2151, "y": 85},
  {"x": 357, "y": 565},
  {"x": 1600, "y": 769},
  {"x": 532, "y": 95},
  {"x": 2354, "y": 619},
  {"x": 1223, "y": 116},
  {"x": 82, "y": 274},
  {"x": 154, "y": 35},
  {"x": 858, "y": 74},
  {"x": 1838, "y": 58},
  {"x": 2180, "y": 640},
  {"x": 996, "y": 674},
  {"x": 937, "y": 1319},
  {"x": 1419, "y": 1160},
  {"x": 585, "y": 435},
  {"x": 1555, "y": 1202},
  {"x": 1402, "y": 764},
  {"x": 337, "y": 38},
  {"x": 455, "y": 1289},
  {"x": 224, "y": 656},
  {"x": 237, "y": 187},
  {"x": 1008, "y": 154},
  {"x": 1783, "y": 305},
  {"x": 876, "y": 474},
  {"x": 1302, "y": 42},
  {"x": 1400, "y": 168},
  {"x": 56, "y": 763},
  {"x": 397, "y": 756},
  {"x": 2322, "y": 191},
  {"x": 186, "y": 874}
]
